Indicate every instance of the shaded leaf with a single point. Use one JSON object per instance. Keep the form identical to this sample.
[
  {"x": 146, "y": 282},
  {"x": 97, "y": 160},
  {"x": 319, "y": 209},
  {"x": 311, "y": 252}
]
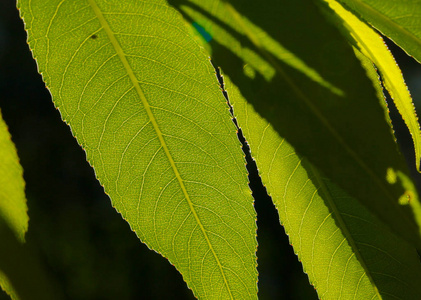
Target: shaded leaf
[
  {"x": 372, "y": 46},
  {"x": 345, "y": 250},
  {"x": 142, "y": 99},
  {"x": 25, "y": 278},
  {"x": 302, "y": 76}
]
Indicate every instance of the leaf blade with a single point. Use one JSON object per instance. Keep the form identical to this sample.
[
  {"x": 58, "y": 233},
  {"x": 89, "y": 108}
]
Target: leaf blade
[
  {"x": 13, "y": 208},
  {"x": 373, "y": 47},
  {"x": 346, "y": 251},
  {"x": 397, "y": 20},
  {"x": 152, "y": 119},
  {"x": 128, "y": 95}
]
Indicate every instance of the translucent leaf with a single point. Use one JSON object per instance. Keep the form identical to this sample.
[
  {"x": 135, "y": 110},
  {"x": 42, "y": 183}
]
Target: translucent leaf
[
  {"x": 399, "y": 20},
  {"x": 141, "y": 98},
  {"x": 302, "y": 77},
  {"x": 13, "y": 209},
  {"x": 373, "y": 47},
  {"x": 345, "y": 250}
]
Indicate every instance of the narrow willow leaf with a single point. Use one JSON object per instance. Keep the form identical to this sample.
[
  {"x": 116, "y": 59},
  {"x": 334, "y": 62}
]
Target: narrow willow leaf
[
  {"x": 319, "y": 100},
  {"x": 345, "y": 250},
  {"x": 141, "y": 98},
  {"x": 13, "y": 209},
  {"x": 372, "y": 46},
  {"x": 398, "y": 20}
]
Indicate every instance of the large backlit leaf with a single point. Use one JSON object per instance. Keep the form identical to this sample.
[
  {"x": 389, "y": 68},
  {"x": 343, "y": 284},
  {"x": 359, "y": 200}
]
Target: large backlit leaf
[
  {"x": 13, "y": 209},
  {"x": 141, "y": 98},
  {"x": 346, "y": 251},
  {"x": 302, "y": 76},
  {"x": 398, "y": 19}
]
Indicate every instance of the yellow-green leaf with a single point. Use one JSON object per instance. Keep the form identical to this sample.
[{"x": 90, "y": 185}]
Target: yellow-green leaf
[
  {"x": 399, "y": 20},
  {"x": 142, "y": 99},
  {"x": 13, "y": 209},
  {"x": 372, "y": 46},
  {"x": 346, "y": 251}
]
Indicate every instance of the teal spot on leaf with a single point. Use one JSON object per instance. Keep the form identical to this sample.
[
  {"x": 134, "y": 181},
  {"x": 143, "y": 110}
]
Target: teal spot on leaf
[{"x": 202, "y": 32}]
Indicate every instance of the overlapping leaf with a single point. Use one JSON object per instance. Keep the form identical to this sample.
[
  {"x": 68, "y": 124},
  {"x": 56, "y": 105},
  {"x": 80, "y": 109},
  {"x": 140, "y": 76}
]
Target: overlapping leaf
[
  {"x": 141, "y": 98},
  {"x": 372, "y": 45},
  {"x": 399, "y": 20},
  {"x": 346, "y": 251},
  {"x": 302, "y": 76}
]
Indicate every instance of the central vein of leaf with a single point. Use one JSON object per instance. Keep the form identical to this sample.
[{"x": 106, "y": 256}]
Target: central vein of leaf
[
  {"x": 152, "y": 118},
  {"x": 344, "y": 228}
]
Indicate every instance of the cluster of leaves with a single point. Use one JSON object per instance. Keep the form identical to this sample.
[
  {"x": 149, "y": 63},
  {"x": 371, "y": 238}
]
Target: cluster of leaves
[{"x": 134, "y": 82}]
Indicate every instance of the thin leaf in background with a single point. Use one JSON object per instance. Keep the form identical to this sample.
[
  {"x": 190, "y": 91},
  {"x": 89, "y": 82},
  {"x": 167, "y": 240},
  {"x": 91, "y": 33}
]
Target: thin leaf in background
[
  {"x": 21, "y": 275},
  {"x": 13, "y": 209},
  {"x": 25, "y": 277}
]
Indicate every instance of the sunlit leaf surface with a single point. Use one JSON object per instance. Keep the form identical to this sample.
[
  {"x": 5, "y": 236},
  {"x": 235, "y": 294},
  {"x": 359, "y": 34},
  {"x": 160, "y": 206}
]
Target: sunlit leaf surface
[
  {"x": 398, "y": 19},
  {"x": 373, "y": 47},
  {"x": 142, "y": 99}
]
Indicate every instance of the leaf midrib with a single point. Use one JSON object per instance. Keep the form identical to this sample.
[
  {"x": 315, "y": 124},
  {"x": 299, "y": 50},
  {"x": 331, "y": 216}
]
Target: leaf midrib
[
  {"x": 147, "y": 107},
  {"x": 342, "y": 225}
]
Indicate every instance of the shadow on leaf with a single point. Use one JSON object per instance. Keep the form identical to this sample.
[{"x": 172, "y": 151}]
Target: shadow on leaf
[{"x": 301, "y": 75}]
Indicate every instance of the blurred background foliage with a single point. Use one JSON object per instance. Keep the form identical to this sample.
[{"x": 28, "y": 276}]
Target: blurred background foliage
[{"x": 88, "y": 250}]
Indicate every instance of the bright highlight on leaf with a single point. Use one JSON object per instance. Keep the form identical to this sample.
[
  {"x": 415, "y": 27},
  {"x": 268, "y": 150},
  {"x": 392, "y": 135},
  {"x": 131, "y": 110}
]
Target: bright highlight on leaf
[
  {"x": 396, "y": 19},
  {"x": 372, "y": 46}
]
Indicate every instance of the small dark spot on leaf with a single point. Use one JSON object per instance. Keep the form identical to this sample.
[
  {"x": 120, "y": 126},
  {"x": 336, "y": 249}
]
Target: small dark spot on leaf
[{"x": 94, "y": 36}]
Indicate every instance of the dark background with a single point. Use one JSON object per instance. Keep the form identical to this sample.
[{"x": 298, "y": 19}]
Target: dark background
[{"x": 86, "y": 247}]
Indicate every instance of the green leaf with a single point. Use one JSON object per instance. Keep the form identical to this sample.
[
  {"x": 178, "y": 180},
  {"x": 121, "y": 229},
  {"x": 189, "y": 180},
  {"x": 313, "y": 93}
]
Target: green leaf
[
  {"x": 13, "y": 209},
  {"x": 301, "y": 75},
  {"x": 372, "y": 45},
  {"x": 398, "y": 20},
  {"x": 142, "y": 99},
  {"x": 345, "y": 250}
]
